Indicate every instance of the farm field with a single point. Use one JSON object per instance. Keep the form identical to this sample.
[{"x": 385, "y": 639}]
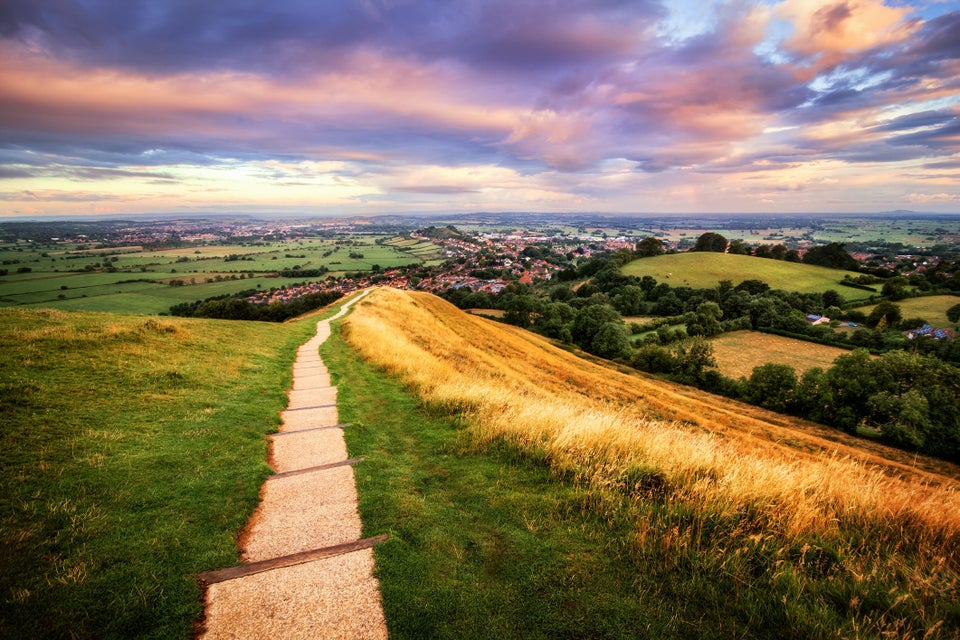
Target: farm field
[
  {"x": 707, "y": 269},
  {"x": 139, "y": 281},
  {"x": 933, "y": 309},
  {"x": 709, "y": 503},
  {"x": 738, "y": 352}
]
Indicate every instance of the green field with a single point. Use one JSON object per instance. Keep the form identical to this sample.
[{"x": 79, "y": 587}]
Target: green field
[
  {"x": 933, "y": 309},
  {"x": 707, "y": 269},
  {"x": 138, "y": 281},
  {"x": 132, "y": 451}
]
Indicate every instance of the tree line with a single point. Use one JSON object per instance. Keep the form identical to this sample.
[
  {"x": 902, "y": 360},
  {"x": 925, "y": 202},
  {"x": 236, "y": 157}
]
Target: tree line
[{"x": 237, "y": 307}]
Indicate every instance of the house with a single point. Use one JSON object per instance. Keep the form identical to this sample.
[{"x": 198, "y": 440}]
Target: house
[{"x": 817, "y": 320}]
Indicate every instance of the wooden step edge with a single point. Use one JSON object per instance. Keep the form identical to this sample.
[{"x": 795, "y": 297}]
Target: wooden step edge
[{"x": 230, "y": 573}]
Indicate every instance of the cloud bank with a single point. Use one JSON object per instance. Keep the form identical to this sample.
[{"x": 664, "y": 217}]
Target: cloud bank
[{"x": 369, "y": 106}]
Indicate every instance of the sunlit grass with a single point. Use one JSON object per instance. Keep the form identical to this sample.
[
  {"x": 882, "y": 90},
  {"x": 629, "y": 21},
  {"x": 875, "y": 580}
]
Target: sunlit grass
[
  {"x": 825, "y": 521},
  {"x": 704, "y": 269},
  {"x": 132, "y": 451}
]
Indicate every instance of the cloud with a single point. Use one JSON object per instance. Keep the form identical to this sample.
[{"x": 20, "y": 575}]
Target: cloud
[
  {"x": 403, "y": 98},
  {"x": 437, "y": 189}
]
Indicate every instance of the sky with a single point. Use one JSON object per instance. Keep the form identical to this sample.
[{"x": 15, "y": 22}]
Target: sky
[{"x": 346, "y": 107}]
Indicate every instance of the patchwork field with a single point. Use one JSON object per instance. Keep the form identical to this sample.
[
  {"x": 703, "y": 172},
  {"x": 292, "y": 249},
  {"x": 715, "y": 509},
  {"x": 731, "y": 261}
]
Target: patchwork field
[
  {"x": 738, "y": 352},
  {"x": 134, "y": 280},
  {"x": 704, "y": 269}
]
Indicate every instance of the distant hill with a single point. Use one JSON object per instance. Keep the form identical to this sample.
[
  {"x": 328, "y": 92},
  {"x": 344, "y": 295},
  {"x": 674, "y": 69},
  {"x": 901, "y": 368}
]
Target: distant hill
[
  {"x": 441, "y": 233},
  {"x": 706, "y": 269}
]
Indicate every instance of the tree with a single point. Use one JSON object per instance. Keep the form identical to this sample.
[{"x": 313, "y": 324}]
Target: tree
[
  {"x": 886, "y": 313},
  {"x": 520, "y": 309},
  {"x": 832, "y": 299},
  {"x": 833, "y": 255},
  {"x": 953, "y": 313},
  {"x": 653, "y": 359},
  {"x": 771, "y": 386},
  {"x": 692, "y": 357},
  {"x": 650, "y": 246},
  {"x": 894, "y": 289},
  {"x": 588, "y": 322},
  {"x": 630, "y": 301},
  {"x": 706, "y": 320},
  {"x": 711, "y": 241},
  {"x": 611, "y": 341},
  {"x": 763, "y": 251},
  {"x": 738, "y": 247}
]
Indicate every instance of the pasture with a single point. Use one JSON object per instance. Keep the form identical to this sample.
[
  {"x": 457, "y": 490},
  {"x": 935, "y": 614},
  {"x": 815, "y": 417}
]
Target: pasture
[
  {"x": 706, "y": 269},
  {"x": 933, "y": 309},
  {"x": 738, "y": 352}
]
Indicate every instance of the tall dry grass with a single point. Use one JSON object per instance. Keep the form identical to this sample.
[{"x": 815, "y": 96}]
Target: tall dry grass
[{"x": 635, "y": 435}]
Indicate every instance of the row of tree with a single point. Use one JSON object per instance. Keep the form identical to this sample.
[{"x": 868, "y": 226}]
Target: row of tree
[{"x": 239, "y": 308}]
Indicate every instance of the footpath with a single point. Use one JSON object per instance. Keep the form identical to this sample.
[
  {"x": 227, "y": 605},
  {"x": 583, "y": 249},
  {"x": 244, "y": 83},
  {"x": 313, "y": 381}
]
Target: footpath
[{"x": 306, "y": 572}]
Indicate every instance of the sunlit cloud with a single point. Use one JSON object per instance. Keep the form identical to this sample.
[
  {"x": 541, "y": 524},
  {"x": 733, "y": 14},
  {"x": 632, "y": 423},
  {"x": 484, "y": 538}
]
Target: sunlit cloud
[{"x": 342, "y": 107}]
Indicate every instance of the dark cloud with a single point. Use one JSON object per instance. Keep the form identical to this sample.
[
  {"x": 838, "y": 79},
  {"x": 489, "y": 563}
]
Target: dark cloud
[
  {"x": 943, "y": 138},
  {"x": 940, "y": 38},
  {"x": 944, "y": 164},
  {"x": 915, "y": 120},
  {"x": 296, "y": 36}
]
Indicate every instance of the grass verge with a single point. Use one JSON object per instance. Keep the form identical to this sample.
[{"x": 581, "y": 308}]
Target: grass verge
[{"x": 131, "y": 453}]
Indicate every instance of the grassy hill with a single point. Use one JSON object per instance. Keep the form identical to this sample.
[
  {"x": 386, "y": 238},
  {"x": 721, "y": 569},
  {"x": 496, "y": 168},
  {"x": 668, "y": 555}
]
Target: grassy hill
[
  {"x": 132, "y": 451},
  {"x": 527, "y": 492},
  {"x": 704, "y": 269},
  {"x": 720, "y": 519},
  {"x": 933, "y": 309}
]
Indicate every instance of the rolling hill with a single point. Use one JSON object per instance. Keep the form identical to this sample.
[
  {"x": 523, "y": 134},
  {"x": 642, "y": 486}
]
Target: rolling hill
[
  {"x": 702, "y": 269},
  {"x": 796, "y": 511}
]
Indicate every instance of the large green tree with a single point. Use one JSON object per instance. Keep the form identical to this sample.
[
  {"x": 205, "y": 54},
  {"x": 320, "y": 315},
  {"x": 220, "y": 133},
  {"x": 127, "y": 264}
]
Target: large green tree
[
  {"x": 711, "y": 241},
  {"x": 833, "y": 255}
]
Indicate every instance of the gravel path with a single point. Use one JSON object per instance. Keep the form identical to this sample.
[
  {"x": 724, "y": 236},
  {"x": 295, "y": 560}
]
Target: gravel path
[{"x": 303, "y": 509}]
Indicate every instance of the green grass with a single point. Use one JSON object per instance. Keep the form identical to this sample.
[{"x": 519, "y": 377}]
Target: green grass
[
  {"x": 489, "y": 543},
  {"x": 706, "y": 269},
  {"x": 132, "y": 451},
  {"x": 933, "y": 309}
]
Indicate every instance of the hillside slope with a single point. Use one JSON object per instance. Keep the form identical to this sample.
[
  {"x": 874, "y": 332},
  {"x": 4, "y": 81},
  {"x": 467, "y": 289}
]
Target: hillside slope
[
  {"x": 703, "y": 269},
  {"x": 734, "y": 490}
]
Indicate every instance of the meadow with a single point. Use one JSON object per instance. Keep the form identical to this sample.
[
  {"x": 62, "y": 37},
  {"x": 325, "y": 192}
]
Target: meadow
[
  {"x": 933, "y": 309},
  {"x": 706, "y": 269},
  {"x": 70, "y": 277},
  {"x": 734, "y": 520},
  {"x": 738, "y": 352},
  {"x": 131, "y": 453}
]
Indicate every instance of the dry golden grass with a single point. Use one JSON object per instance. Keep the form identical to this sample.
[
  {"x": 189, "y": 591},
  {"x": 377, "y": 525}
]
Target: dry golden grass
[
  {"x": 738, "y": 352},
  {"x": 608, "y": 428}
]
